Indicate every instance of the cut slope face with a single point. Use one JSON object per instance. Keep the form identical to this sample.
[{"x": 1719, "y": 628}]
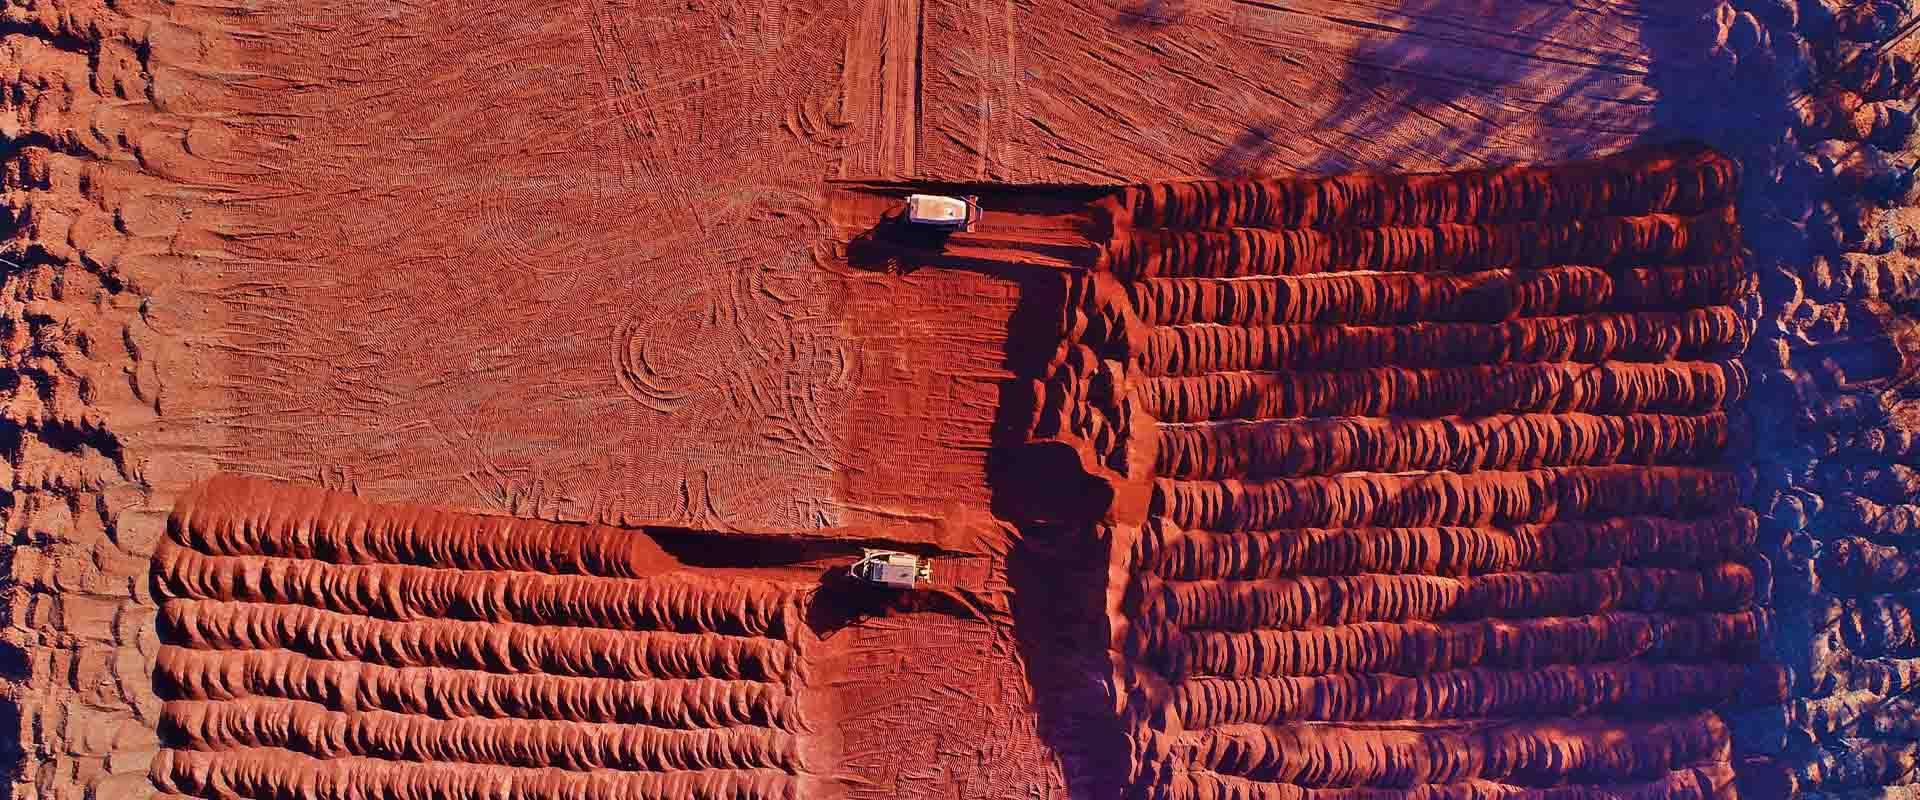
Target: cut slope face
[
  {"x": 321, "y": 645},
  {"x": 1425, "y": 483}
]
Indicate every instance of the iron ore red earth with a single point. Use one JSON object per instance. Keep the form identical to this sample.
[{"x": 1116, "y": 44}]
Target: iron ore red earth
[{"x": 1433, "y": 399}]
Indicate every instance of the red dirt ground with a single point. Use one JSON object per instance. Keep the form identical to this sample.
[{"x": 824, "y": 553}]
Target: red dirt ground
[
  {"x": 1270, "y": 489},
  {"x": 1473, "y": 600},
  {"x": 477, "y": 236}
]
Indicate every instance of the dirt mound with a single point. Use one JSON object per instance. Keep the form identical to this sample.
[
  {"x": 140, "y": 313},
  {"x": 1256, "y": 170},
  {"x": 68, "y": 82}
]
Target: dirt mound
[
  {"x": 1469, "y": 484},
  {"x": 1430, "y": 485},
  {"x": 319, "y": 643}
]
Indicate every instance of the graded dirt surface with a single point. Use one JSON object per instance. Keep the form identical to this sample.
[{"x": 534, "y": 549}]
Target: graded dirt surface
[
  {"x": 580, "y": 256},
  {"x": 423, "y": 400}
]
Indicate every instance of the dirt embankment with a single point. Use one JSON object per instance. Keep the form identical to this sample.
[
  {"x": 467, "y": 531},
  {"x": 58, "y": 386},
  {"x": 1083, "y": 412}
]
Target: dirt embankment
[
  {"x": 1294, "y": 584},
  {"x": 316, "y": 641},
  {"x": 1824, "y": 126},
  {"x": 112, "y": 160},
  {"x": 1419, "y": 481}
]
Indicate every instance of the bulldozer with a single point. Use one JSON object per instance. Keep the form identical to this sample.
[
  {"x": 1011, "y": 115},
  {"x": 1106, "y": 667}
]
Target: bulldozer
[
  {"x": 892, "y": 569},
  {"x": 941, "y": 211}
]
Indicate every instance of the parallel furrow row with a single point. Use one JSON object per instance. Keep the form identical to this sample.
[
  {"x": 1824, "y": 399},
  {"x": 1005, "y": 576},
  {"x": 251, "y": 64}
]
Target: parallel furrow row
[
  {"x": 1415, "y": 648},
  {"x": 266, "y": 773},
  {"x": 1494, "y": 442},
  {"x": 1555, "y": 690},
  {"x": 398, "y": 592},
  {"x": 1389, "y": 298},
  {"x": 1304, "y": 602},
  {"x": 1538, "y": 754},
  {"x": 444, "y": 693},
  {"x": 1691, "y": 335},
  {"x": 1246, "y": 252},
  {"x": 1634, "y": 183},
  {"x": 1640, "y": 541},
  {"x": 315, "y": 730},
  {"x": 1446, "y": 498},
  {"x": 501, "y": 647},
  {"x": 1704, "y": 781},
  {"x": 1684, "y": 387},
  {"x": 236, "y": 516}
]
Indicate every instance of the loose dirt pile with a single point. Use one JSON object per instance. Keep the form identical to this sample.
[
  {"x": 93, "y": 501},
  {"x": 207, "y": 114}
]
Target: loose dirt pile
[
  {"x": 321, "y": 644},
  {"x": 1821, "y": 117},
  {"x": 1429, "y": 492},
  {"x": 1472, "y": 484}
]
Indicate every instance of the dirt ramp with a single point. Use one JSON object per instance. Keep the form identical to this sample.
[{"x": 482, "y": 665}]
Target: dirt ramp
[{"x": 319, "y": 644}]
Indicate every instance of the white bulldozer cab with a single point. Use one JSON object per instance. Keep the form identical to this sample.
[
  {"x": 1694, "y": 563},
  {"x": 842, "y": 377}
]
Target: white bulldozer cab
[
  {"x": 892, "y": 569},
  {"x": 942, "y": 211}
]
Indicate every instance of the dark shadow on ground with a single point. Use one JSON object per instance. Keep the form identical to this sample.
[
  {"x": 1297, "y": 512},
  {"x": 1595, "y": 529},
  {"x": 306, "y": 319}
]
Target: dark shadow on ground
[
  {"x": 1059, "y": 573},
  {"x": 1152, "y": 13},
  {"x": 705, "y": 549},
  {"x": 1415, "y": 76},
  {"x": 894, "y": 246},
  {"x": 1057, "y": 568},
  {"x": 841, "y": 601}
]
